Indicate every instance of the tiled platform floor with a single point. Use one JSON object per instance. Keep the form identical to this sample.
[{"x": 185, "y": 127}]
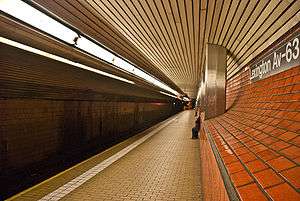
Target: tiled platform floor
[{"x": 164, "y": 167}]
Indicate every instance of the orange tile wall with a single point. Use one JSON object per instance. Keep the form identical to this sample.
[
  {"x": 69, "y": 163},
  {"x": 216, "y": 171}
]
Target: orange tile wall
[{"x": 258, "y": 137}]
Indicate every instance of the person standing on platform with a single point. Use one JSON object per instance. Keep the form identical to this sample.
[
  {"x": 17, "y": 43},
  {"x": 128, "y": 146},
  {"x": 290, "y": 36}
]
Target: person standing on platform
[{"x": 196, "y": 128}]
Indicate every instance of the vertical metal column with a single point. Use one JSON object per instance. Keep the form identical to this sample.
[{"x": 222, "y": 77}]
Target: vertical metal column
[
  {"x": 202, "y": 91},
  {"x": 215, "y": 81}
]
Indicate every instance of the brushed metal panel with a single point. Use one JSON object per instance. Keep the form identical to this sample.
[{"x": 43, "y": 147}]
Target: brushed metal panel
[{"x": 215, "y": 81}]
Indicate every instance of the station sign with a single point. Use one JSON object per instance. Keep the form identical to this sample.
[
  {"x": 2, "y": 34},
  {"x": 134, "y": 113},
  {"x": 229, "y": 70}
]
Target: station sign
[{"x": 284, "y": 57}]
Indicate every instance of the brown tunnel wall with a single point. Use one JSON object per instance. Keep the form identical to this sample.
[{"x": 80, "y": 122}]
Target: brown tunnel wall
[
  {"x": 33, "y": 130},
  {"x": 52, "y": 112}
]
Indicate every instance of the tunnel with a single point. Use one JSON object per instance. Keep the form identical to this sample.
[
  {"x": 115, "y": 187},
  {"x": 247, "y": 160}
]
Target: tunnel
[{"x": 150, "y": 100}]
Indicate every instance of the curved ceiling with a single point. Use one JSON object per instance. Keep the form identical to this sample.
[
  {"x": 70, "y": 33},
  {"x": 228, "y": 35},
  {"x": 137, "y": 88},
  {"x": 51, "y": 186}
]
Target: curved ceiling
[{"x": 167, "y": 37}]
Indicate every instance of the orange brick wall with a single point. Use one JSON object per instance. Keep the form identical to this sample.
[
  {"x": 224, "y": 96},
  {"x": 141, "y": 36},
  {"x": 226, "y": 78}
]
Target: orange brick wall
[
  {"x": 274, "y": 101},
  {"x": 258, "y": 137}
]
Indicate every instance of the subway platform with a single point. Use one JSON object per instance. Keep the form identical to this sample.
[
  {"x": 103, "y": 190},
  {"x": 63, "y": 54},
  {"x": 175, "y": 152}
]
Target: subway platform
[
  {"x": 161, "y": 163},
  {"x": 81, "y": 81}
]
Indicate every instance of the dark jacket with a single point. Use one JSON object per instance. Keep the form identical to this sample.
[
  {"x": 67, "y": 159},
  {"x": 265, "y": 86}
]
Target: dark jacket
[{"x": 198, "y": 123}]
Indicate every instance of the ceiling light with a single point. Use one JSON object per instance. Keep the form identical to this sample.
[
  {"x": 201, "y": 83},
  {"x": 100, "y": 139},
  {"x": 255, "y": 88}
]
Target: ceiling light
[
  {"x": 60, "y": 59},
  {"x": 101, "y": 53},
  {"x": 123, "y": 65},
  {"x": 94, "y": 49},
  {"x": 167, "y": 94},
  {"x": 37, "y": 19},
  {"x": 41, "y": 21},
  {"x": 186, "y": 99}
]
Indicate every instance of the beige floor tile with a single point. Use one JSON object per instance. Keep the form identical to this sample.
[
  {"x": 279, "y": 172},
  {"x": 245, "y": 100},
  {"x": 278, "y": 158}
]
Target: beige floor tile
[{"x": 165, "y": 167}]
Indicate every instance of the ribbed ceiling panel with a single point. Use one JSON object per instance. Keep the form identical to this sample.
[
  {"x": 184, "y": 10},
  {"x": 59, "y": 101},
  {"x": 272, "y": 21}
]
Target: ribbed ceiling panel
[{"x": 168, "y": 37}]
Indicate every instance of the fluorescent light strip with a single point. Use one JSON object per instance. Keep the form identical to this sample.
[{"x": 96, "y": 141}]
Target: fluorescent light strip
[
  {"x": 94, "y": 49},
  {"x": 186, "y": 99},
  {"x": 41, "y": 21},
  {"x": 60, "y": 59},
  {"x": 167, "y": 94},
  {"x": 37, "y": 19},
  {"x": 89, "y": 46}
]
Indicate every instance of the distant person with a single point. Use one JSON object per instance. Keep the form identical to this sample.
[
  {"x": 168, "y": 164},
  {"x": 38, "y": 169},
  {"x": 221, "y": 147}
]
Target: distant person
[{"x": 196, "y": 128}]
